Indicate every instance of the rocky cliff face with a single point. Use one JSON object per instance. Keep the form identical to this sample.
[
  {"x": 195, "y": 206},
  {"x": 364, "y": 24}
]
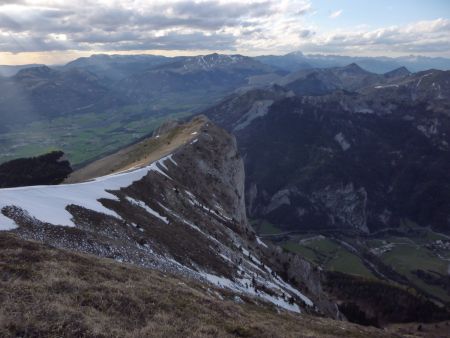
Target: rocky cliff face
[
  {"x": 182, "y": 213},
  {"x": 352, "y": 161}
]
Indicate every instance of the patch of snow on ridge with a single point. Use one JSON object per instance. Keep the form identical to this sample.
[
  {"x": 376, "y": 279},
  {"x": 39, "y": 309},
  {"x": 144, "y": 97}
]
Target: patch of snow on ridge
[
  {"x": 144, "y": 206},
  {"x": 387, "y": 86},
  {"x": 243, "y": 285},
  {"x": 170, "y": 158},
  {"x": 340, "y": 138},
  {"x": 48, "y": 203},
  {"x": 260, "y": 242}
]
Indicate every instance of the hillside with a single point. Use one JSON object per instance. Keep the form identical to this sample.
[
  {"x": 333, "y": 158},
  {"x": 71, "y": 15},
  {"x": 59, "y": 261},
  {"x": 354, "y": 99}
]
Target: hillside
[
  {"x": 352, "y": 180},
  {"x": 40, "y": 93},
  {"x": 193, "y": 78},
  {"x": 48, "y": 292},
  {"x": 182, "y": 213},
  {"x": 345, "y": 159}
]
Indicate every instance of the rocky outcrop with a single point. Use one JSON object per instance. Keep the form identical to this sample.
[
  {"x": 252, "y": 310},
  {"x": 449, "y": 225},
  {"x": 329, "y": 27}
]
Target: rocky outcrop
[{"x": 345, "y": 205}]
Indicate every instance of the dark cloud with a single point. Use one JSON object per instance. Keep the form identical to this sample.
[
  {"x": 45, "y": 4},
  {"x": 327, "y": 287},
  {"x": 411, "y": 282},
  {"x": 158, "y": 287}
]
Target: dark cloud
[
  {"x": 8, "y": 23},
  {"x": 182, "y": 25},
  {"x": 230, "y": 10}
]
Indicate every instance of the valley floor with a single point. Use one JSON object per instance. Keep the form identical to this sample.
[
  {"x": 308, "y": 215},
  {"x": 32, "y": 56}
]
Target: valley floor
[
  {"x": 420, "y": 255},
  {"x": 47, "y": 292}
]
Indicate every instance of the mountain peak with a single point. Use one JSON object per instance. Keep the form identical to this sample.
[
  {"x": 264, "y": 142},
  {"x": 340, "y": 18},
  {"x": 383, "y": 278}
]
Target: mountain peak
[
  {"x": 398, "y": 72},
  {"x": 214, "y": 59},
  {"x": 40, "y": 71},
  {"x": 354, "y": 67},
  {"x": 297, "y": 54}
]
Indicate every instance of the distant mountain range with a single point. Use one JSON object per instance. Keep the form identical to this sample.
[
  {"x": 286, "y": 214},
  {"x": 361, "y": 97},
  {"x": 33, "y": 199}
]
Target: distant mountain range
[
  {"x": 117, "y": 67},
  {"x": 297, "y": 60},
  {"x": 42, "y": 92},
  {"x": 105, "y": 82},
  {"x": 6, "y": 71}
]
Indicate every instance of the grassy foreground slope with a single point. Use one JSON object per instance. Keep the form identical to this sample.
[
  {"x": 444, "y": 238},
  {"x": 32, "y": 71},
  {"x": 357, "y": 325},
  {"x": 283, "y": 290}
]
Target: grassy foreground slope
[{"x": 47, "y": 292}]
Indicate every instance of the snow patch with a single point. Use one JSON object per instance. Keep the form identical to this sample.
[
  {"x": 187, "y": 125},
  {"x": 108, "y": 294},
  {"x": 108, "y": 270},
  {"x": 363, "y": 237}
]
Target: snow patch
[
  {"x": 48, "y": 203},
  {"x": 260, "y": 242},
  {"x": 340, "y": 138},
  {"x": 387, "y": 86},
  {"x": 144, "y": 206}
]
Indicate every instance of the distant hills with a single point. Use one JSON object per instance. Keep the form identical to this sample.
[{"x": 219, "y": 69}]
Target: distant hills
[
  {"x": 104, "y": 82},
  {"x": 116, "y": 67},
  {"x": 120, "y": 66},
  {"x": 129, "y": 95},
  {"x": 6, "y": 71},
  {"x": 297, "y": 60}
]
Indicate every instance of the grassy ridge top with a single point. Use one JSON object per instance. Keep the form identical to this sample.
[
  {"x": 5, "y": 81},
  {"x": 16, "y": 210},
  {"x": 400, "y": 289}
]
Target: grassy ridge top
[{"x": 140, "y": 153}]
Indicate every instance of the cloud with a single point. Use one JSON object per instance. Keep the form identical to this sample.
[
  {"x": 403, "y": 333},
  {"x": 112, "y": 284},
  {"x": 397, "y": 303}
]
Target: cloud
[
  {"x": 40, "y": 25},
  {"x": 246, "y": 26},
  {"x": 419, "y": 38},
  {"x": 306, "y": 33},
  {"x": 336, "y": 14},
  {"x": 7, "y": 2}
]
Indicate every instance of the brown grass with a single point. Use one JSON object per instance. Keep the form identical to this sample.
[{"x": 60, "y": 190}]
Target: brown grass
[
  {"x": 46, "y": 292},
  {"x": 139, "y": 154}
]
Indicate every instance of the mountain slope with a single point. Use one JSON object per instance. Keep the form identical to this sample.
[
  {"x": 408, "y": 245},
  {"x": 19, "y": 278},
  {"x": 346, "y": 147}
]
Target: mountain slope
[
  {"x": 320, "y": 81},
  {"x": 56, "y": 293},
  {"x": 183, "y": 213},
  {"x": 41, "y": 92},
  {"x": 324, "y": 176},
  {"x": 11, "y": 70},
  {"x": 116, "y": 67},
  {"x": 213, "y": 74},
  {"x": 365, "y": 169}
]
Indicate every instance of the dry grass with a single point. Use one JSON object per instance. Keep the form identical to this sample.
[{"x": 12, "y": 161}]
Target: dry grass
[
  {"x": 46, "y": 292},
  {"x": 139, "y": 154}
]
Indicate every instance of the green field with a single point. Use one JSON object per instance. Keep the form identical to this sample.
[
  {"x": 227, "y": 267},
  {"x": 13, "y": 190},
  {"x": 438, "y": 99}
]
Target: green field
[
  {"x": 264, "y": 227},
  {"x": 403, "y": 253},
  {"x": 82, "y": 137},
  {"x": 330, "y": 255},
  {"x": 88, "y": 136},
  {"x": 94, "y": 135},
  {"x": 406, "y": 258}
]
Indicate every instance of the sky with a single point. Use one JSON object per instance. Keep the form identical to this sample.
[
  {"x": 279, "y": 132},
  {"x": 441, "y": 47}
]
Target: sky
[{"x": 56, "y": 31}]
